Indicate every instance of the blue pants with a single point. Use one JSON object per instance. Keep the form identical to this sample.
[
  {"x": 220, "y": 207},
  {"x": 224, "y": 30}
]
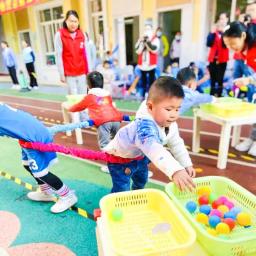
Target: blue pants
[{"x": 122, "y": 174}]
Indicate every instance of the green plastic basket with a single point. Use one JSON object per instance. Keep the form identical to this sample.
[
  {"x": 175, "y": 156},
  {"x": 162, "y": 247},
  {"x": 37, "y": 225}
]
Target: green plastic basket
[{"x": 241, "y": 241}]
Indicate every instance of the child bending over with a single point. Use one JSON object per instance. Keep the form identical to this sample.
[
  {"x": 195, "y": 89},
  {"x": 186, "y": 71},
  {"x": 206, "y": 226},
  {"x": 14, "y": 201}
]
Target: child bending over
[
  {"x": 20, "y": 125},
  {"x": 146, "y": 136}
]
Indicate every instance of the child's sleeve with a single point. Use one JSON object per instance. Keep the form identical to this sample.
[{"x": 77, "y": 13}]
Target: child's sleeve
[
  {"x": 147, "y": 140},
  {"x": 82, "y": 105},
  {"x": 177, "y": 147}
]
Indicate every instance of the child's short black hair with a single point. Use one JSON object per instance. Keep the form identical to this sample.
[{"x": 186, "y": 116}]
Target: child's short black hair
[
  {"x": 165, "y": 87},
  {"x": 185, "y": 75},
  {"x": 95, "y": 80}
]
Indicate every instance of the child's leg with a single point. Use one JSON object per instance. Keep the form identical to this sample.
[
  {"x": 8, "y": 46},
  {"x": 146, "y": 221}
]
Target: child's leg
[
  {"x": 104, "y": 134},
  {"x": 114, "y": 129},
  {"x": 140, "y": 176},
  {"x": 120, "y": 175}
]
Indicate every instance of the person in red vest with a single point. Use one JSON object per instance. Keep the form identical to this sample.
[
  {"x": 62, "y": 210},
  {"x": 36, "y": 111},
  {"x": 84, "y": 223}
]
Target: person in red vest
[
  {"x": 71, "y": 57},
  {"x": 242, "y": 39},
  {"x": 147, "y": 48},
  {"x": 218, "y": 55}
]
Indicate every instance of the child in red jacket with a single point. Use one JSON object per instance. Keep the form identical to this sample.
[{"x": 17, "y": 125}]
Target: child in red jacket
[{"x": 100, "y": 108}]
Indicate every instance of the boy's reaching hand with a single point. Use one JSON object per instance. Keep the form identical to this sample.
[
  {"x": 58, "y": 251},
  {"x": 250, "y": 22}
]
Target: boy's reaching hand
[
  {"x": 183, "y": 180},
  {"x": 191, "y": 171}
]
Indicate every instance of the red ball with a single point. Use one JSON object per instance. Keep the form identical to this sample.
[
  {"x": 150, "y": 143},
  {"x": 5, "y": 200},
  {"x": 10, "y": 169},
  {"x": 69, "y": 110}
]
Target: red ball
[
  {"x": 230, "y": 222},
  {"x": 216, "y": 204},
  {"x": 203, "y": 200}
]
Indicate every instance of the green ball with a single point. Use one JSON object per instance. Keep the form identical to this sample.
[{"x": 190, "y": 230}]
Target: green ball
[
  {"x": 117, "y": 214},
  {"x": 212, "y": 197}
]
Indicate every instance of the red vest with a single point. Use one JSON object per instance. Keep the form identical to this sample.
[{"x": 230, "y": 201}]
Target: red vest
[
  {"x": 217, "y": 51},
  {"x": 152, "y": 56},
  {"x": 74, "y": 53},
  {"x": 250, "y": 57}
]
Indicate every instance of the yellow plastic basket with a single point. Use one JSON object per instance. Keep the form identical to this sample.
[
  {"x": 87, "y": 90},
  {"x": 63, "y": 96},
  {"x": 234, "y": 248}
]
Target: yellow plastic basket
[
  {"x": 74, "y": 98},
  {"x": 229, "y": 109},
  {"x": 241, "y": 241},
  {"x": 150, "y": 225}
]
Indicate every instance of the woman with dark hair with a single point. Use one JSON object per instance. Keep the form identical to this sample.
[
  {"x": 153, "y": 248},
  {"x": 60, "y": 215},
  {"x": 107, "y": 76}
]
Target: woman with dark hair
[
  {"x": 218, "y": 55},
  {"x": 71, "y": 55},
  {"x": 10, "y": 63},
  {"x": 29, "y": 59},
  {"x": 242, "y": 40}
]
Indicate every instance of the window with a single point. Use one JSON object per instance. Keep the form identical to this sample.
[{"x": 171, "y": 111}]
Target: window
[{"x": 50, "y": 22}]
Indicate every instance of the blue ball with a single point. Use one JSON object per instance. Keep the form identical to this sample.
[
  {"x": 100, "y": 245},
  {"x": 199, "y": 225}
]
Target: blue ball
[
  {"x": 230, "y": 214},
  {"x": 236, "y": 210},
  {"x": 206, "y": 209},
  {"x": 214, "y": 221},
  {"x": 191, "y": 206}
]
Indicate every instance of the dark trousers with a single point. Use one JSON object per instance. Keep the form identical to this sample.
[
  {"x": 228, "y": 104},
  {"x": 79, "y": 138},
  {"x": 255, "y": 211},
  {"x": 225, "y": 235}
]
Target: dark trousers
[
  {"x": 217, "y": 72},
  {"x": 147, "y": 77},
  {"x": 32, "y": 75},
  {"x": 122, "y": 174},
  {"x": 12, "y": 73}
]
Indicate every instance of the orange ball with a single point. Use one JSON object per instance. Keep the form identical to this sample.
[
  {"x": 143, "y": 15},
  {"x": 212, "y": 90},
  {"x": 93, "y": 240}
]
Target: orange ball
[
  {"x": 244, "y": 219},
  {"x": 222, "y": 228}
]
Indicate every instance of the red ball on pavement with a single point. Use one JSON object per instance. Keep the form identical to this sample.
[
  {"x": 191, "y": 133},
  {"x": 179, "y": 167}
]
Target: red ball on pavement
[
  {"x": 203, "y": 200},
  {"x": 230, "y": 222}
]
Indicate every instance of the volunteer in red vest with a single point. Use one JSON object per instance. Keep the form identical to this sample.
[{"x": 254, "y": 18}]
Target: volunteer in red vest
[
  {"x": 242, "y": 39},
  {"x": 71, "y": 57},
  {"x": 218, "y": 55},
  {"x": 147, "y": 48}
]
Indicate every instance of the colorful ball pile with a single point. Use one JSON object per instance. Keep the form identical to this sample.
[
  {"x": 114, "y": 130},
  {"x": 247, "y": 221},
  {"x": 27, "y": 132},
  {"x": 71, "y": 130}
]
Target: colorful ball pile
[{"x": 219, "y": 214}]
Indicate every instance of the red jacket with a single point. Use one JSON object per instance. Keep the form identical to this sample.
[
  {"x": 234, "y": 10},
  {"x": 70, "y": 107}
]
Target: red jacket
[
  {"x": 218, "y": 51},
  {"x": 74, "y": 53},
  {"x": 249, "y": 57},
  {"x": 100, "y": 107}
]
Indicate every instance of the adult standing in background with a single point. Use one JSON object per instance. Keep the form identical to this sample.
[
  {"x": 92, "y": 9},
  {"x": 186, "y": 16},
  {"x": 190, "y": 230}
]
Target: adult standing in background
[
  {"x": 91, "y": 53},
  {"x": 163, "y": 48},
  {"x": 71, "y": 56},
  {"x": 10, "y": 63},
  {"x": 29, "y": 59},
  {"x": 175, "y": 49},
  {"x": 218, "y": 55},
  {"x": 147, "y": 48}
]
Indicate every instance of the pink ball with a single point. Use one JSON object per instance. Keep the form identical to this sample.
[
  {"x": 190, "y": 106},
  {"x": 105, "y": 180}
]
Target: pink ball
[
  {"x": 216, "y": 213},
  {"x": 222, "y": 199},
  {"x": 229, "y": 204}
]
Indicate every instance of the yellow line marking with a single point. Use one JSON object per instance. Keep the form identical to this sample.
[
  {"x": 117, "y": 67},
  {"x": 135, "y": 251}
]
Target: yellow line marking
[
  {"x": 232, "y": 155},
  {"x": 213, "y": 151},
  {"x": 8, "y": 176},
  {"x": 28, "y": 186},
  {"x": 17, "y": 180},
  {"x": 82, "y": 212},
  {"x": 52, "y": 120},
  {"x": 58, "y": 121},
  {"x": 201, "y": 150},
  {"x": 198, "y": 170},
  {"x": 46, "y": 118},
  {"x": 248, "y": 158},
  {"x": 187, "y": 147},
  {"x": 40, "y": 117}
]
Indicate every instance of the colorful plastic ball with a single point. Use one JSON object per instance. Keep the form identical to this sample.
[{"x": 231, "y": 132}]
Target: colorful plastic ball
[
  {"x": 206, "y": 209},
  {"x": 212, "y": 197},
  {"x": 117, "y": 214},
  {"x": 230, "y": 215},
  {"x": 214, "y": 221},
  {"x": 191, "y": 206},
  {"x": 212, "y": 231},
  {"x": 202, "y": 218},
  {"x": 223, "y": 209},
  {"x": 236, "y": 210},
  {"x": 231, "y": 223},
  {"x": 229, "y": 204},
  {"x": 244, "y": 219},
  {"x": 216, "y": 213},
  {"x": 203, "y": 200},
  {"x": 222, "y": 228},
  {"x": 216, "y": 204},
  {"x": 222, "y": 199},
  {"x": 204, "y": 191}
]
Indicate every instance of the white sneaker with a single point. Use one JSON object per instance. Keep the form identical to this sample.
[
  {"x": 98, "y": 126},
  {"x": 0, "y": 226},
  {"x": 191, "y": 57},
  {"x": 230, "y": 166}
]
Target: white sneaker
[
  {"x": 104, "y": 168},
  {"x": 244, "y": 145},
  {"x": 252, "y": 150},
  {"x": 64, "y": 203},
  {"x": 150, "y": 174},
  {"x": 40, "y": 196}
]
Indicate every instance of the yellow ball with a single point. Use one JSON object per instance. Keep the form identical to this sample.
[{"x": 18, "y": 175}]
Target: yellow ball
[
  {"x": 244, "y": 219},
  {"x": 223, "y": 209},
  {"x": 222, "y": 228},
  {"x": 202, "y": 218},
  {"x": 211, "y": 231},
  {"x": 204, "y": 191}
]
